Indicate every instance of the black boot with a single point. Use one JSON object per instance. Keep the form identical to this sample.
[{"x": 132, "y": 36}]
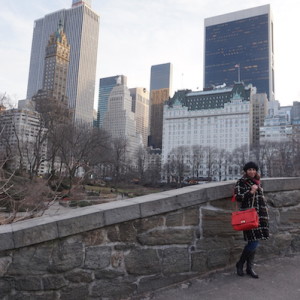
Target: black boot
[
  {"x": 250, "y": 260},
  {"x": 240, "y": 263}
]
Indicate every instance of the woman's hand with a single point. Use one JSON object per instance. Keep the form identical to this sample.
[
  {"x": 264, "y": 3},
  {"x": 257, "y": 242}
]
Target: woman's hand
[{"x": 254, "y": 188}]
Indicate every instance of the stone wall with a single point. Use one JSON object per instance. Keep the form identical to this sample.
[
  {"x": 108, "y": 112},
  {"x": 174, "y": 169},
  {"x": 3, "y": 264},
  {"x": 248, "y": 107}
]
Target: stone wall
[{"x": 127, "y": 248}]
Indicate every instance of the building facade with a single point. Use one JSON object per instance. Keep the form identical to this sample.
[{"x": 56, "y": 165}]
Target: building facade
[
  {"x": 213, "y": 120},
  {"x": 52, "y": 96},
  {"x": 81, "y": 26},
  {"x": 239, "y": 46},
  {"x": 119, "y": 120},
  {"x": 140, "y": 108},
  {"x": 23, "y": 140},
  {"x": 106, "y": 85},
  {"x": 278, "y": 125},
  {"x": 259, "y": 112},
  {"x": 160, "y": 91}
]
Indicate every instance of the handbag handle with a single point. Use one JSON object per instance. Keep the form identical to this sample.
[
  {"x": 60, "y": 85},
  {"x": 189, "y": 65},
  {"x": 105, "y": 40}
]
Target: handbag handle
[{"x": 251, "y": 205}]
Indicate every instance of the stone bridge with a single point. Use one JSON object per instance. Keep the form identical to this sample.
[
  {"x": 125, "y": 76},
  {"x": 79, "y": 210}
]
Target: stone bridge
[{"x": 127, "y": 248}]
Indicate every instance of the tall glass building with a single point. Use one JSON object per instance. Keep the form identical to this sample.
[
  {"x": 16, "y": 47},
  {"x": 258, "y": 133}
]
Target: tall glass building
[
  {"x": 239, "y": 47},
  {"x": 160, "y": 91},
  {"x": 81, "y": 25},
  {"x": 106, "y": 85}
]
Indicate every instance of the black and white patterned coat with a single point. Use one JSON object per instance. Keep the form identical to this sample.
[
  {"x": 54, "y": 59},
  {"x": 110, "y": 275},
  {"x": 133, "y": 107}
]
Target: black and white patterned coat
[{"x": 244, "y": 197}]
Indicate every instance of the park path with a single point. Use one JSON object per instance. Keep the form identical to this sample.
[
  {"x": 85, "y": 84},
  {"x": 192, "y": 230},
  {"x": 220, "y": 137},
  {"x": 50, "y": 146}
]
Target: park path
[{"x": 279, "y": 280}]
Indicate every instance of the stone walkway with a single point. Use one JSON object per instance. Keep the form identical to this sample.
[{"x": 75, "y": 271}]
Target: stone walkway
[{"x": 279, "y": 280}]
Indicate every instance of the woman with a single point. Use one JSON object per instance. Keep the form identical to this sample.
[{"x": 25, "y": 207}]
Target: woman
[{"x": 248, "y": 189}]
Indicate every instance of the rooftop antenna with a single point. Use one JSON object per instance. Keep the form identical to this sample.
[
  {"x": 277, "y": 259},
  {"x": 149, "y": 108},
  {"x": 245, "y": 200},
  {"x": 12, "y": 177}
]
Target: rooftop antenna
[{"x": 239, "y": 72}]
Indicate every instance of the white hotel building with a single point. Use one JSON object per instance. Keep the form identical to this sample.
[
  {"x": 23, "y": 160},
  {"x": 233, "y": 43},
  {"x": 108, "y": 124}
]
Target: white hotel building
[{"x": 220, "y": 118}]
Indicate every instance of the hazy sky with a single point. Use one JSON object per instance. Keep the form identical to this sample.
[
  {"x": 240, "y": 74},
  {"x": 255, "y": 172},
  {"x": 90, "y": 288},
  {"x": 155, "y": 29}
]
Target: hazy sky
[{"x": 135, "y": 34}]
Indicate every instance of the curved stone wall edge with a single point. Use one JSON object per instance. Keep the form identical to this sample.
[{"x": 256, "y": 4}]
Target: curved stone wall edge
[{"x": 34, "y": 231}]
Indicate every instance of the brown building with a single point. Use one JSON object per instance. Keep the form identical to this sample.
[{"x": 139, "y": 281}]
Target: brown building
[
  {"x": 160, "y": 91},
  {"x": 53, "y": 94}
]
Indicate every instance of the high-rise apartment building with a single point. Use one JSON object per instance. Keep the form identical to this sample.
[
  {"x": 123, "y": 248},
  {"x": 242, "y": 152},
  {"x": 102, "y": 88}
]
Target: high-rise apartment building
[
  {"x": 106, "y": 85},
  {"x": 119, "y": 119},
  {"x": 81, "y": 26},
  {"x": 239, "y": 46},
  {"x": 140, "y": 107},
  {"x": 160, "y": 91}
]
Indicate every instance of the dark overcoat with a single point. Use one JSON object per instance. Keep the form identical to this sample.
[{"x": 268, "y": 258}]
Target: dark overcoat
[{"x": 245, "y": 198}]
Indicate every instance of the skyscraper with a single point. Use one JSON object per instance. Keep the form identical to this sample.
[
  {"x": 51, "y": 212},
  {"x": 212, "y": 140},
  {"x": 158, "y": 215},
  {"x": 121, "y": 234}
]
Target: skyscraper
[
  {"x": 119, "y": 119},
  {"x": 52, "y": 98},
  {"x": 81, "y": 25},
  {"x": 160, "y": 91},
  {"x": 239, "y": 46},
  {"x": 140, "y": 107},
  {"x": 105, "y": 87}
]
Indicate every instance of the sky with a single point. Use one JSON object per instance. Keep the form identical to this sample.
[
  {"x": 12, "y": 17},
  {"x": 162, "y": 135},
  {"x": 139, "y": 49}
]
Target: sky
[{"x": 136, "y": 34}]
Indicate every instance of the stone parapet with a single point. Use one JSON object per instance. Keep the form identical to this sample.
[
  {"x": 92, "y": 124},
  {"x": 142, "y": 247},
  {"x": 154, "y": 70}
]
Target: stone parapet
[{"x": 130, "y": 247}]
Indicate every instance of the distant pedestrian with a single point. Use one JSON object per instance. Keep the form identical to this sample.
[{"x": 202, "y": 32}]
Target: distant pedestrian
[{"x": 247, "y": 189}]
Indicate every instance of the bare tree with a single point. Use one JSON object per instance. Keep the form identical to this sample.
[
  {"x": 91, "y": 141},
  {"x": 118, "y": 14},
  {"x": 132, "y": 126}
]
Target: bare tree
[
  {"x": 141, "y": 156},
  {"x": 118, "y": 158},
  {"x": 178, "y": 166},
  {"x": 197, "y": 159}
]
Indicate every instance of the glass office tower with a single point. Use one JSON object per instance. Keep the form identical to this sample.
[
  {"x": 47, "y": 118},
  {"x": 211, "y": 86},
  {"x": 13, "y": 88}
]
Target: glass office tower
[
  {"x": 81, "y": 26},
  {"x": 106, "y": 85},
  {"x": 239, "y": 47},
  {"x": 160, "y": 91}
]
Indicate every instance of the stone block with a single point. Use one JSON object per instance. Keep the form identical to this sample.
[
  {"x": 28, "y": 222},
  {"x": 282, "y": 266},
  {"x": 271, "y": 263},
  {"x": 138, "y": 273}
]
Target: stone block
[
  {"x": 4, "y": 264},
  {"x": 113, "y": 233},
  {"x": 34, "y": 231},
  {"x": 66, "y": 256},
  {"x": 94, "y": 237},
  {"x": 128, "y": 232},
  {"x": 30, "y": 295},
  {"x": 283, "y": 199},
  {"x": 142, "y": 262},
  {"x": 175, "y": 260},
  {"x": 282, "y": 243},
  {"x": 167, "y": 236},
  {"x": 108, "y": 274},
  {"x": 80, "y": 276},
  {"x": 81, "y": 220},
  {"x": 217, "y": 258},
  {"x": 53, "y": 282},
  {"x": 29, "y": 283},
  {"x": 216, "y": 223},
  {"x": 112, "y": 289},
  {"x": 199, "y": 262},
  {"x": 214, "y": 243},
  {"x": 75, "y": 291},
  {"x": 6, "y": 286},
  {"x": 191, "y": 216},
  {"x": 120, "y": 211},
  {"x": 97, "y": 257},
  {"x": 167, "y": 201},
  {"x": 148, "y": 223},
  {"x": 31, "y": 260},
  {"x": 6, "y": 237},
  {"x": 290, "y": 216},
  {"x": 174, "y": 219},
  {"x": 280, "y": 184},
  {"x": 224, "y": 203},
  {"x": 296, "y": 242},
  {"x": 274, "y": 220}
]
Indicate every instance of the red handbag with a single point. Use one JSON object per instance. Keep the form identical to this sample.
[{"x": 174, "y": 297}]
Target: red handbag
[{"x": 245, "y": 219}]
